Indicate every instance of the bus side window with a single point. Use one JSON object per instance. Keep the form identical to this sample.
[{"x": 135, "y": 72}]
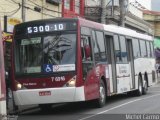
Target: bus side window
[
  {"x": 86, "y": 48},
  {"x": 123, "y": 52},
  {"x": 117, "y": 48},
  {"x": 148, "y": 49},
  {"x": 87, "y": 59},
  {"x": 143, "y": 48},
  {"x": 136, "y": 48},
  {"x": 99, "y": 46},
  {"x": 152, "y": 50}
]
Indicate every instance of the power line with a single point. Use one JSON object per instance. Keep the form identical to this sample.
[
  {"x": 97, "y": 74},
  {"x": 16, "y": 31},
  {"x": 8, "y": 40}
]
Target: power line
[
  {"x": 12, "y": 12},
  {"x": 14, "y": 1},
  {"x": 20, "y": 4},
  {"x": 44, "y": 7},
  {"x": 40, "y": 12},
  {"x": 15, "y": 11}
]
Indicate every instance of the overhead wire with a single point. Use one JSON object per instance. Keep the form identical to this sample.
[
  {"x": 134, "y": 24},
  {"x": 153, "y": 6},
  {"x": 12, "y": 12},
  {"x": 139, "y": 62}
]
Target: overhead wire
[
  {"x": 36, "y": 6},
  {"x": 44, "y": 7},
  {"x": 10, "y": 13}
]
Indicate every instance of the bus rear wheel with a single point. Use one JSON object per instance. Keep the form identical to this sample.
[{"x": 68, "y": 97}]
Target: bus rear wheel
[
  {"x": 100, "y": 102},
  {"x": 145, "y": 88},
  {"x": 140, "y": 87}
]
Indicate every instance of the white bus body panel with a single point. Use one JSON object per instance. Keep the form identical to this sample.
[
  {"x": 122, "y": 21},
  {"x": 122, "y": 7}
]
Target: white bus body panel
[
  {"x": 123, "y": 78},
  {"x": 58, "y": 95},
  {"x": 110, "y": 78},
  {"x": 143, "y": 65}
]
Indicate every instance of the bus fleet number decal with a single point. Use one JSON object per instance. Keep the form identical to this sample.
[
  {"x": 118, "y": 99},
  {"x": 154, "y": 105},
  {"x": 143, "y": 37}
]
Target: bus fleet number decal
[{"x": 58, "y": 79}]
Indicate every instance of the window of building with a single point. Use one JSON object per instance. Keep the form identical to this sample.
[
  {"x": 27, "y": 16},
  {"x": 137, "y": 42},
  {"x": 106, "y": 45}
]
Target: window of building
[
  {"x": 56, "y": 2},
  {"x": 77, "y": 6},
  {"x": 136, "y": 49},
  {"x": 67, "y": 4}
]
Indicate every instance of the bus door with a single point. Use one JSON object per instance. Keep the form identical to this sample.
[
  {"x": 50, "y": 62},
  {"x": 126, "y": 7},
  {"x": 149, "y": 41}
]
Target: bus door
[
  {"x": 131, "y": 61},
  {"x": 112, "y": 63}
]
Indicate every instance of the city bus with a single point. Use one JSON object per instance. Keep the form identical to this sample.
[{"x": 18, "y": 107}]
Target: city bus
[
  {"x": 3, "y": 108},
  {"x": 72, "y": 59}
]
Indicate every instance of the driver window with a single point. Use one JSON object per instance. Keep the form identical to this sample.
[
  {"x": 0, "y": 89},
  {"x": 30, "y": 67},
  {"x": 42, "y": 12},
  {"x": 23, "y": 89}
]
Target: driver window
[{"x": 86, "y": 48}]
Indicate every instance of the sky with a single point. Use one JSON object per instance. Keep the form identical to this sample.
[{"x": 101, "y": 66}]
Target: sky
[
  {"x": 153, "y": 5},
  {"x": 156, "y": 5}
]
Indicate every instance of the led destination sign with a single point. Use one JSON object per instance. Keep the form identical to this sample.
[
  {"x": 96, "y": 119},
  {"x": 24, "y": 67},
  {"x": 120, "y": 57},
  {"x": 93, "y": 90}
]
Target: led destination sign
[{"x": 46, "y": 28}]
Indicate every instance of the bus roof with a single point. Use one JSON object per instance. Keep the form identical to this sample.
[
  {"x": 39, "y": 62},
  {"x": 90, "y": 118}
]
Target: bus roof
[
  {"x": 91, "y": 24},
  {"x": 127, "y": 32},
  {"x": 95, "y": 25}
]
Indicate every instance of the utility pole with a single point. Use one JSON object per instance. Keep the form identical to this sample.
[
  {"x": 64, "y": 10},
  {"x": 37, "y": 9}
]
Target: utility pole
[
  {"x": 104, "y": 11},
  {"x": 5, "y": 23},
  {"x": 23, "y": 10},
  {"x": 122, "y": 13}
]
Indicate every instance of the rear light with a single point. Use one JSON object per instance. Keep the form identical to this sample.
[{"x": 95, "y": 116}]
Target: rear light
[{"x": 71, "y": 82}]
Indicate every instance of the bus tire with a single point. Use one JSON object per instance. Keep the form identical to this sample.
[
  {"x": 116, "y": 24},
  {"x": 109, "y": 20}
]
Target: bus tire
[
  {"x": 145, "y": 88},
  {"x": 140, "y": 87},
  {"x": 100, "y": 102},
  {"x": 45, "y": 107}
]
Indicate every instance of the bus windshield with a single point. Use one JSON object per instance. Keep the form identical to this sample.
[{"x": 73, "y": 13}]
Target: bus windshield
[{"x": 45, "y": 54}]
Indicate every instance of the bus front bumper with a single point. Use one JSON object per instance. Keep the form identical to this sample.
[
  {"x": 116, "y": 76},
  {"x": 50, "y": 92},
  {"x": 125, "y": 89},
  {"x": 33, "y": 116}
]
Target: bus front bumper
[{"x": 49, "y": 95}]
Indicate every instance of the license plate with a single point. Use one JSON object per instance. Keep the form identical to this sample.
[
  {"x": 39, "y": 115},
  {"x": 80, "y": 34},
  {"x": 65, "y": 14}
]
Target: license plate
[{"x": 44, "y": 93}]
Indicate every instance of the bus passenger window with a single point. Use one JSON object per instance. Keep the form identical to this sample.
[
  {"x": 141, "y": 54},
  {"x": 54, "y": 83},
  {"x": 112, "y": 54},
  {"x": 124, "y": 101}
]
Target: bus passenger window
[
  {"x": 99, "y": 46},
  {"x": 152, "y": 50},
  {"x": 136, "y": 49},
  {"x": 143, "y": 48},
  {"x": 148, "y": 49},
  {"x": 117, "y": 49},
  {"x": 123, "y": 52}
]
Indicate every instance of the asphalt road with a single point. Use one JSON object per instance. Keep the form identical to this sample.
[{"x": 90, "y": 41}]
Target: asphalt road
[{"x": 121, "y": 107}]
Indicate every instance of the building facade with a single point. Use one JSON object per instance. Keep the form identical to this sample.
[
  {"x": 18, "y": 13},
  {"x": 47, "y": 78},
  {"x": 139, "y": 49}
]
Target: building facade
[
  {"x": 27, "y": 10},
  {"x": 133, "y": 16}
]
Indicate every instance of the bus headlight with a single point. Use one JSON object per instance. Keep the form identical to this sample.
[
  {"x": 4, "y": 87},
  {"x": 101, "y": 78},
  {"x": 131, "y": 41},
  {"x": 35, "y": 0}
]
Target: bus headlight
[
  {"x": 71, "y": 82},
  {"x": 19, "y": 86}
]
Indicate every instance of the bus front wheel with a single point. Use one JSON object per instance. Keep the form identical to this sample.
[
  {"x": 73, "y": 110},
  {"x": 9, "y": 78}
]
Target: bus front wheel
[
  {"x": 100, "y": 102},
  {"x": 45, "y": 107}
]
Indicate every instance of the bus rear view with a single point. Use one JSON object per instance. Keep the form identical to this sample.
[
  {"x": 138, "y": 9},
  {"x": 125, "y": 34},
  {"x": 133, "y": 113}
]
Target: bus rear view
[{"x": 44, "y": 62}]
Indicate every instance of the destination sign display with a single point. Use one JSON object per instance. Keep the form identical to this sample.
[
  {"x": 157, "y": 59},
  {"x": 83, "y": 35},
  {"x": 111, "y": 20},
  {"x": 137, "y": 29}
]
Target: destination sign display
[{"x": 46, "y": 28}]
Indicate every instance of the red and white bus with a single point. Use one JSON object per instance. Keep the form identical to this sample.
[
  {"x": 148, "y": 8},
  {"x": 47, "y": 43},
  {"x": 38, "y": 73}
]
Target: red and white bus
[
  {"x": 73, "y": 59},
  {"x": 3, "y": 109}
]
